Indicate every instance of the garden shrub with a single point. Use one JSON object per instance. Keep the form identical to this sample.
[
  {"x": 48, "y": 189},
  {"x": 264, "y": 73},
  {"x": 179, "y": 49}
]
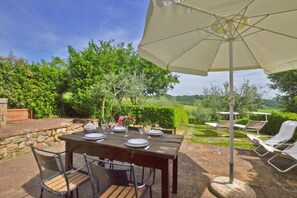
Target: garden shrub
[{"x": 167, "y": 117}]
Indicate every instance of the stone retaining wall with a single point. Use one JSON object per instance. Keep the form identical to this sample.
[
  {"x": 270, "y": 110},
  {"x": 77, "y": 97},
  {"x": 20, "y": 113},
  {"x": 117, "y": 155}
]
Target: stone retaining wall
[{"x": 11, "y": 147}]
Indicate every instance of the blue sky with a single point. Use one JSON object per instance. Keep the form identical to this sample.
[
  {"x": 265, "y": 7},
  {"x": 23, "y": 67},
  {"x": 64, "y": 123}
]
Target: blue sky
[{"x": 41, "y": 29}]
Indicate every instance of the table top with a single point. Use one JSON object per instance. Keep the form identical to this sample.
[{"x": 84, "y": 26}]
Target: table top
[{"x": 166, "y": 146}]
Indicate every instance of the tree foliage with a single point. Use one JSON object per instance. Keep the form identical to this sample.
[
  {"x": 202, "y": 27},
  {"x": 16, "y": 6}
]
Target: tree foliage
[
  {"x": 115, "y": 70},
  {"x": 36, "y": 86},
  {"x": 286, "y": 83},
  {"x": 94, "y": 79},
  {"x": 248, "y": 97}
]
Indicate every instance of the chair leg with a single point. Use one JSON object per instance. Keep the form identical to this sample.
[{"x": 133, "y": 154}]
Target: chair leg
[
  {"x": 77, "y": 193},
  {"x": 142, "y": 177},
  {"x": 41, "y": 193},
  {"x": 258, "y": 153},
  {"x": 280, "y": 170}
]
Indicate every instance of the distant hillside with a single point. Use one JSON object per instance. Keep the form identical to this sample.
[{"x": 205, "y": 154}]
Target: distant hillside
[
  {"x": 271, "y": 103},
  {"x": 191, "y": 100},
  {"x": 186, "y": 100}
]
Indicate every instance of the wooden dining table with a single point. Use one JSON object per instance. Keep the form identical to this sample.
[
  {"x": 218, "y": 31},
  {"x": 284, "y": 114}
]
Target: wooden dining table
[{"x": 157, "y": 155}]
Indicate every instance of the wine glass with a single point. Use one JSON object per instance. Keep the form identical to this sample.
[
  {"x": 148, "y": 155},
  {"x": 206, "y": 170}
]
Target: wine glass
[
  {"x": 148, "y": 128},
  {"x": 103, "y": 125},
  {"x": 112, "y": 124},
  {"x": 141, "y": 129},
  {"x": 126, "y": 130}
]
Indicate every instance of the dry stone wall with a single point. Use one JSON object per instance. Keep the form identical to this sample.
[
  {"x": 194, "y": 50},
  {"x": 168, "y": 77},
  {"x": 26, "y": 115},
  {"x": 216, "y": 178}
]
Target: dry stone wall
[{"x": 11, "y": 147}]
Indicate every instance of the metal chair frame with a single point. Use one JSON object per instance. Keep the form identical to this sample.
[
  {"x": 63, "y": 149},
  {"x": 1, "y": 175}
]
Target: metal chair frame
[
  {"x": 115, "y": 173},
  {"x": 53, "y": 161}
]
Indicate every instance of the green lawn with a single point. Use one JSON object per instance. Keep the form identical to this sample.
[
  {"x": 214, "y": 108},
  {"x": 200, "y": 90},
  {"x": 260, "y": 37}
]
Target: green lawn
[
  {"x": 188, "y": 107},
  {"x": 202, "y": 134},
  {"x": 269, "y": 109}
]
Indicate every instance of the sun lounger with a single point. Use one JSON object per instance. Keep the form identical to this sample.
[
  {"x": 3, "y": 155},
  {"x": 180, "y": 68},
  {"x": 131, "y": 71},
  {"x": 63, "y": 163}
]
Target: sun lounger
[
  {"x": 285, "y": 134},
  {"x": 221, "y": 125},
  {"x": 254, "y": 125},
  {"x": 289, "y": 153}
]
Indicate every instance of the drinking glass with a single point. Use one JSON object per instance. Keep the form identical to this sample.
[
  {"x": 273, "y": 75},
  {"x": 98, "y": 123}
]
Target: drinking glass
[
  {"x": 112, "y": 124},
  {"x": 141, "y": 129},
  {"x": 103, "y": 125},
  {"x": 126, "y": 130},
  {"x": 148, "y": 128}
]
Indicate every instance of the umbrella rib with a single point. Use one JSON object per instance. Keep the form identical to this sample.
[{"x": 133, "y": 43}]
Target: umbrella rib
[
  {"x": 271, "y": 31},
  {"x": 273, "y": 13},
  {"x": 248, "y": 48},
  {"x": 175, "y": 35},
  {"x": 236, "y": 28},
  {"x": 196, "y": 9},
  {"x": 246, "y": 35},
  {"x": 253, "y": 25},
  {"x": 213, "y": 33},
  {"x": 217, "y": 51}
]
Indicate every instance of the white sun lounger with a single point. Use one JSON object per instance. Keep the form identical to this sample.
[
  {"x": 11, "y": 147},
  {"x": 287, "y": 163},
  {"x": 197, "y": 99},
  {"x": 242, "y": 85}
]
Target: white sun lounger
[
  {"x": 221, "y": 124},
  {"x": 288, "y": 153},
  {"x": 285, "y": 134},
  {"x": 254, "y": 125}
]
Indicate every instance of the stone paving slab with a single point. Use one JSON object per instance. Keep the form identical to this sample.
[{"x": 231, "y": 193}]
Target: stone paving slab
[{"x": 198, "y": 165}]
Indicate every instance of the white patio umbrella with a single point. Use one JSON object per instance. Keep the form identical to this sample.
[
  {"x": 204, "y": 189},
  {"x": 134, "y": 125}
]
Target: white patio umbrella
[{"x": 198, "y": 36}]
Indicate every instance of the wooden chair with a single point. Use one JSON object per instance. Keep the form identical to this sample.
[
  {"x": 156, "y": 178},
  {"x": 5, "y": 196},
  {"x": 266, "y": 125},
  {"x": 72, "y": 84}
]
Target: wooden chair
[
  {"x": 61, "y": 182},
  {"x": 115, "y": 179}
]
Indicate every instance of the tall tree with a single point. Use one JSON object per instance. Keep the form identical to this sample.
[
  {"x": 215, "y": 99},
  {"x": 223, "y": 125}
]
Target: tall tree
[
  {"x": 89, "y": 66},
  {"x": 248, "y": 97},
  {"x": 286, "y": 83}
]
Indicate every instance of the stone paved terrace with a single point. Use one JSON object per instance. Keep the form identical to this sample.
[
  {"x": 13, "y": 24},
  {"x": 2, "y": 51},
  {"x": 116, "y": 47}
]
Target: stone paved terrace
[{"x": 198, "y": 165}]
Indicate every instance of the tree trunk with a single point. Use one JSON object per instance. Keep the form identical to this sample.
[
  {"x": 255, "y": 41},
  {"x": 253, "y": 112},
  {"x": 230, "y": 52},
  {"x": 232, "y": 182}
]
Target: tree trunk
[{"x": 103, "y": 108}]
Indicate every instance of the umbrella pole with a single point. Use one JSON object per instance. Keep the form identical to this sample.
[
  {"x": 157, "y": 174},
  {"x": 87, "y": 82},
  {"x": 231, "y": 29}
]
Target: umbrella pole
[
  {"x": 220, "y": 185},
  {"x": 231, "y": 106}
]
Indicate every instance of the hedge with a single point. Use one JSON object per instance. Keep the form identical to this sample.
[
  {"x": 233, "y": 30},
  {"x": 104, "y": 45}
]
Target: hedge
[{"x": 167, "y": 117}]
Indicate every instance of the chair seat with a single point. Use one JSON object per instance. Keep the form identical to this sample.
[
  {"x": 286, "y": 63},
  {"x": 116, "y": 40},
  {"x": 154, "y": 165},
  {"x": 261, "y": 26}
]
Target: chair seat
[
  {"x": 58, "y": 183},
  {"x": 122, "y": 191}
]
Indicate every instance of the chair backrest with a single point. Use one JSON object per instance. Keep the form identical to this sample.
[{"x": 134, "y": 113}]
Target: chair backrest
[
  {"x": 256, "y": 125},
  {"x": 285, "y": 133},
  {"x": 110, "y": 173},
  {"x": 223, "y": 124},
  {"x": 48, "y": 160}
]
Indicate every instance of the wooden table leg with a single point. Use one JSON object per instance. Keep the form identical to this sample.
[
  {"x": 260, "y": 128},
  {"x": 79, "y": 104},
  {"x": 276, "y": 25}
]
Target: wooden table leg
[
  {"x": 174, "y": 175},
  {"x": 68, "y": 156},
  {"x": 165, "y": 179}
]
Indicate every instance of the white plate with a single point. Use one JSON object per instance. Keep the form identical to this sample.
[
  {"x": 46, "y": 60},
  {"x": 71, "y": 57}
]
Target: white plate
[
  {"x": 94, "y": 136},
  {"x": 119, "y": 129},
  {"x": 155, "y": 133},
  {"x": 137, "y": 145},
  {"x": 137, "y": 141}
]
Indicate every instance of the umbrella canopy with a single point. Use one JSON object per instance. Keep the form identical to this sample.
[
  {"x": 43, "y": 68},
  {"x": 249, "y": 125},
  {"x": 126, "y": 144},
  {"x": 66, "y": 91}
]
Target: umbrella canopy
[
  {"x": 198, "y": 36},
  {"x": 193, "y": 36}
]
